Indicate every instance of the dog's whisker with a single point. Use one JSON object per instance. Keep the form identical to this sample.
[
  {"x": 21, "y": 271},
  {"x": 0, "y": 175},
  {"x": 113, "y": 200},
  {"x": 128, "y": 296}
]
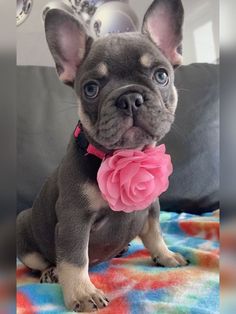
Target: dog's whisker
[
  {"x": 70, "y": 102},
  {"x": 66, "y": 109},
  {"x": 178, "y": 132},
  {"x": 183, "y": 90}
]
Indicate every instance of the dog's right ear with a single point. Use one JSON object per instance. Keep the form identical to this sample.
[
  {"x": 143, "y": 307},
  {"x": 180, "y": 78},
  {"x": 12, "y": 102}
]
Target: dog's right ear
[{"x": 68, "y": 42}]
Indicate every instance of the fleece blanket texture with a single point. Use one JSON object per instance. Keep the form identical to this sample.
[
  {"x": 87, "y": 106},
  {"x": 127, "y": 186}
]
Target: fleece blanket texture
[{"x": 135, "y": 285}]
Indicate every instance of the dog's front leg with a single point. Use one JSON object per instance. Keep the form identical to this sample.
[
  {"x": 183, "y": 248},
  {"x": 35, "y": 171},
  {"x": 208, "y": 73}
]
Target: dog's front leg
[
  {"x": 72, "y": 238},
  {"x": 152, "y": 239}
]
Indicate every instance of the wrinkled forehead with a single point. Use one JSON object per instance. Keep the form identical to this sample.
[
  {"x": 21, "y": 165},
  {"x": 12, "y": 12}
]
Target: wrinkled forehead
[{"x": 124, "y": 53}]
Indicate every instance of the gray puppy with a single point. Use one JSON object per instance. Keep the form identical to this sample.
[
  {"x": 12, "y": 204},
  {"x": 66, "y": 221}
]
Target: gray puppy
[{"x": 126, "y": 99}]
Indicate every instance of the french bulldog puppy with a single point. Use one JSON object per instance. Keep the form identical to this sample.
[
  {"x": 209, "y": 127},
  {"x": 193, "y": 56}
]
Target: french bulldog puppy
[{"x": 126, "y": 100}]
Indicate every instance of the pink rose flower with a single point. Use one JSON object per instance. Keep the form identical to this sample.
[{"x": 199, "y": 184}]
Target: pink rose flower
[{"x": 131, "y": 180}]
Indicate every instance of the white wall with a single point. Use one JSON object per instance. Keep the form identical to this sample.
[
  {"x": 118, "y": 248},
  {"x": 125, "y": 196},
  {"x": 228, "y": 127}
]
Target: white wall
[{"x": 201, "y": 32}]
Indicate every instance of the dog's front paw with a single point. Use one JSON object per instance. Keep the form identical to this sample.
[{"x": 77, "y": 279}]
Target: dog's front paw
[
  {"x": 170, "y": 259},
  {"x": 86, "y": 301},
  {"x": 80, "y": 295},
  {"x": 91, "y": 302}
]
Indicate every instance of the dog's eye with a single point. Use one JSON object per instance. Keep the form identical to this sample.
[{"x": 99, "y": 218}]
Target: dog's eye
[
  {"x": 91, "y": 90},
  {"x": 161, "y": 77}
]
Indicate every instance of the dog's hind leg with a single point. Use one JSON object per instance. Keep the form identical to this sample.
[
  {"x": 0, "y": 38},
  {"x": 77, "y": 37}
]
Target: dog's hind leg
[
  {"x": 27, "y": 250},
  {"x": 49, "y": 275}
]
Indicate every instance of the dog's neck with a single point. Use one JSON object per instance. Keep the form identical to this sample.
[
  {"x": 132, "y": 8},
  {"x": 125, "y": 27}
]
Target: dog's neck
[{"x": 87, "y": 145}]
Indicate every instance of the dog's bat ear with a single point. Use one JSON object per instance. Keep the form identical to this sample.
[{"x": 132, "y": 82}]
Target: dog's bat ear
[
  {"x": 163, "y": 23},
  {"x": 68, "y": 42}
]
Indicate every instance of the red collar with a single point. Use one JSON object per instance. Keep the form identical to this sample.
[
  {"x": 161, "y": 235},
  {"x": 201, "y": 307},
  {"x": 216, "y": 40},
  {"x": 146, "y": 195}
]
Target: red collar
[{"x": 85, "y": 145}]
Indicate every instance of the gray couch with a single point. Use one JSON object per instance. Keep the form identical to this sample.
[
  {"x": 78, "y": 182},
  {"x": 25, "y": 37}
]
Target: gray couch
[{"x": 47, "y": 116}]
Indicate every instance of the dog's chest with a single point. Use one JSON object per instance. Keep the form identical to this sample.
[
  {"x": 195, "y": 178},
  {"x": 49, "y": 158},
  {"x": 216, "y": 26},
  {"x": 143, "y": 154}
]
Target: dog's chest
[{"x": 112, "y": 231}]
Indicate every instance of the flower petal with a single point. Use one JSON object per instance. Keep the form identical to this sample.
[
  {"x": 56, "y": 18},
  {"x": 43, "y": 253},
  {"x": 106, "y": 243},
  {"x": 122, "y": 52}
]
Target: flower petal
[{"x": 128, "y": 173}]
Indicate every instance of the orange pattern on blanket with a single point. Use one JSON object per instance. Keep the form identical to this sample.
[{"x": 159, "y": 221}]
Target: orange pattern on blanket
[
  {"x": 118, "y": 305},
  {"x": 208, "y": 230}
]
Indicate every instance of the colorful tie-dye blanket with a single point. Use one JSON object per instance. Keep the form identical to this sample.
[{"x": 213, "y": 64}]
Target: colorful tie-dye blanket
[{"x": 135, "y": 286}]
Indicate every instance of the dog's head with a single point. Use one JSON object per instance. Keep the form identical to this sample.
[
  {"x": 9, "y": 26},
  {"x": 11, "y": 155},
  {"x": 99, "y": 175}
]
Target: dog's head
[{"x": 124, "y": 82}]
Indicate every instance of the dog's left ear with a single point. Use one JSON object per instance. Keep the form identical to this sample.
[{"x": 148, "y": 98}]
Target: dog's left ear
[{"x": 163, "y": 23}]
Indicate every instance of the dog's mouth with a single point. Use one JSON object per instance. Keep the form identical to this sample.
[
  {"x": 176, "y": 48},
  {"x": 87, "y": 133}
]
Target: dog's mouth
[
  {"x": 130, "y": 133},
  {"x": 134, "y": 137},
  {"x": 134, "y": 132}
]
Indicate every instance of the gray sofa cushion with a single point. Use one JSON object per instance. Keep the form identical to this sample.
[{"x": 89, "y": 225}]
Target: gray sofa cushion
[
  {"x": 47, "y": 116},
  {"x": 194, "y": 142}
]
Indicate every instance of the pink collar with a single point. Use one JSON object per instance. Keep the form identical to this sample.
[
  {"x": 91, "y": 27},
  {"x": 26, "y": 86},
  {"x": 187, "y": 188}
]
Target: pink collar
[{"x": 85, "y": 145}]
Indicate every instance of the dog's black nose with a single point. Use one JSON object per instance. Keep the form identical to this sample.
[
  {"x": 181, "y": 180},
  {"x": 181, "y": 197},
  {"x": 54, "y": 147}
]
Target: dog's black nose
[{"x": 130, "y": 101}]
